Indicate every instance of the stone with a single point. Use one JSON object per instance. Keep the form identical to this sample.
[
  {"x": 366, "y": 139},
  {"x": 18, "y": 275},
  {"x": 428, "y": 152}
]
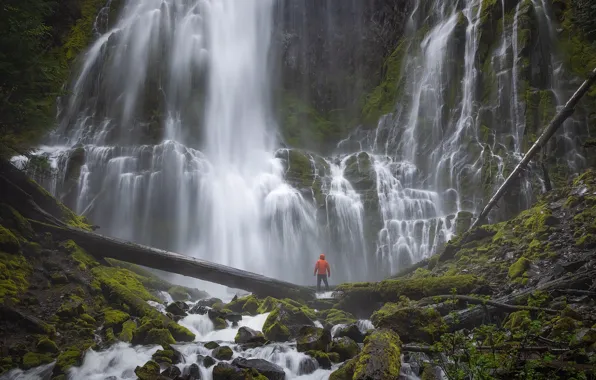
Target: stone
[
  {"x": 351, "y": 331},
  {"x": 177, "y": 308},
  {"x": 345, "y": 347},
  {"x": 211, "y": 345},
  {"x": 199, "y": 309},
  {"x": 208, "y": 361},
  {"x": 307, "y": 366},
  {"x": 226, "y": 371},
  {"x": 313, "y": 339},
  {"x": 233, "y": 317},
  {"x": 269, "y": 370},
  {"x": 150, "y": 371},
  {"x": 194, "y": 372},
  {"x": 223, "y": 353},
  {"x": 248, "y": 335},
  {"x": 172, "y": 373}
]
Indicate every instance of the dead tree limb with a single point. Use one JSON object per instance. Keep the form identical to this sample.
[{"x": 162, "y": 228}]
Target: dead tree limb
[
  {"x": 480, "y": 301},
  {"x": 550, "y": 130}
]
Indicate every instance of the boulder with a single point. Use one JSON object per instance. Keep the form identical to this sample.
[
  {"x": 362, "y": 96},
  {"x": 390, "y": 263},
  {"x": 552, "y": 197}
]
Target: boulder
[
  {"x": 321, "y": 357},
  {"x": 226, "y": 371},
  {"x": 351, "y": 331},
  {"x": 199, "y": 309},
  {"x": 312, "y": 338},
  {"x": 233, "y": 317},
  {"x": 269, "y": 370},
  {"x": 410, "y": 323},
  {"x": 209, "y": 302},
  {"x": 208, "y": 361},
  {"x": 172, "y": 373},
  {"x": 211, "y": 345},
  {"x": 307, "y": 366},
  {"x": 223, "y": 353},
  {"x": 177, "y": 308},
  {"x": 149, "y": 371},
  {"x": 285, "y": 320},
  {"x": 345, "y": 347},
  {"x": 248, "y": 335}
]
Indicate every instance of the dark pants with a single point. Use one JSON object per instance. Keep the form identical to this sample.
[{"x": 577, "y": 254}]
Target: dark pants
[{"x": 322, "y": 277}]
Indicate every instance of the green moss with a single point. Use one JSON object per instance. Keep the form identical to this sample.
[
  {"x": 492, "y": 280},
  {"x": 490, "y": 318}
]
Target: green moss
[
  {"x": 518, "y": 320},
  {"x": 73, "y": 306},
  {"x": 223, "y": 353},
  {"x": 159, "y": 336},
  {"x": 14, "y": 273},
  {"x": 249, "y": 305},
  {"x": 411, "y": 323},
  {"x": 518, "y": 268},
  {"x": 321, "y": 357},
  {"x": 127, "y": 332},
  {"x": 219, "y": 323},
  {"x": 178, "y": 293},
  {"x": 276, "y": 331},
  {"x": 380, "y": 357},
  {"x": 34, "y": 359},
  {"x": 46, "y": 345},
  {"x": 211, "y": 345},
  {"x": 84, "y": 259},
  {"x": 345, "y": 347},
  {"x": 383, "y": 98},
  {"x": 163, "y": 356},
  {"x": 89, "y": 319},
  {"x": 149, "y": 371},
  {"x": 8, "y": 242},
  {"x": 345, "y": 372},
  {"x": 69, "y": 358},
  {"x": 336, "y": 317}
]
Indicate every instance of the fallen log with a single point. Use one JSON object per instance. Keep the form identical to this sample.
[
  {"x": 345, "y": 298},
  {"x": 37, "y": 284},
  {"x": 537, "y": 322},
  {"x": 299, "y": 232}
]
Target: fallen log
[
  {"x": 103, "y": 246},
  {"x": 549, "y": 131},
  {"x": 430, "y": 351},
  {"x": 480, "y": 301}
]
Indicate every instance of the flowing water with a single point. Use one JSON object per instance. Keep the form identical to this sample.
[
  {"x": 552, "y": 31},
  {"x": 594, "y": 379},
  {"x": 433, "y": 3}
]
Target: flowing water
[{"x": 168, "y": 137}]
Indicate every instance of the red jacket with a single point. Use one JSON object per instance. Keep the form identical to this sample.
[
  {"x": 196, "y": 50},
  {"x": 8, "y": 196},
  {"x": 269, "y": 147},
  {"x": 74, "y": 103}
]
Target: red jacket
[{"x": 322, "y": 266}]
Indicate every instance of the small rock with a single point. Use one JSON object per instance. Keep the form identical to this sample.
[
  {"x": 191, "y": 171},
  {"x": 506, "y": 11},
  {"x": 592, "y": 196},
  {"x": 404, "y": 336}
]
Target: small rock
[
  {"x": 225, "y": 371},
  {"x": 233, "y": 317},
  {"x": 150, "y": 371},
  {"x": 171, "y": 372},
  {"x": 194, "y": 372},
  {"x": 223, "y": 353},
  {"x": 208, "y": 361},
  {"x": 199, "y": 309},
  {"x": 209, "y": 302},
  {"x": 177, "y": 308},
  {"x": 352, "y": 331},
  {"x": 211, "y": 345},
  {"x": 307, "y": 366},
  {"x": 313, "y": 338},
  {"x": 248, "y": 335},
  {"x": 269, "y": 370},
  {"x": 345, "y": 347},
  {"x": 214, "y": 314}
]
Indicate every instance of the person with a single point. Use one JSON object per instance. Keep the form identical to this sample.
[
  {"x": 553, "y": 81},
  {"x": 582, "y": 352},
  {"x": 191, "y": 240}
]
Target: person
[{"x": 322, "y": 271}]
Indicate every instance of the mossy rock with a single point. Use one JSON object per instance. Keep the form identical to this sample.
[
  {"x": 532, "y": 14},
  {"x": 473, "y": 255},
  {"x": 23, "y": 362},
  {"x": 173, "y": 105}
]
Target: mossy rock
[
  {"x": 8, "y": 241},
  {"x": 71, "y": 308},
  {"x": 211, "y": 345},
  {"x": 14, "y": 274},
  {"x": 518, "y": 320},
  {"x": 411, "y": 323},
  {"x": 380, "y": 357},
  {"x": 345, "y": 347},
  {"x": 321, "y": 357},
  {"x": 312, "y": 338},
  {"x": 163, "y": 356},
  {"x": 159, "y": 336},
  {"x": 247, "y": 305},
  {"x": 127, "y": 332},
  {"x": 69, "y": 358},
  {"x": 286, "y": 319},
  {"x": 336, "y": 317},
  {"x": 219, "y": 323},
  {"x": 518, "y": 268},
  {"x": 114, "y": 318},
  {"x": 223, "y": 353},
  {"x": 46, "y": 345},
  {"x": 178, "y": 293},
  {"x": 149, "y": 371},
  {"x": 34, "y": 359}
]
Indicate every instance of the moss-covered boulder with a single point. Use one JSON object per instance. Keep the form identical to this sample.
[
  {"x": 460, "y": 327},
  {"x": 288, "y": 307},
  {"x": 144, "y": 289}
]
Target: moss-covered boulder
[
  {"x": 149, "y": 371},
  {"x": 345, "y": 347},
  {"x": 247, "y": 305},
  {"x": 411, "y": 323},
  {"x": 351, "y": 331},
  {"x": 127, "y": 332},
  {"x": 159, "y": 336},
  {"x": 380, "y": 359},
  {"x": 177, "y": 308},
  {"x": 270, "y": 370},
  {"x": 114, "y": 319},
  {"x": 223, "y": 353},
  {"x": 286, "y": 319},
  {"x": 8, "y": 241},
  {"x": 321, "y": 357},
  {"x": 46, "y": 345},
  {"x": 35, "y": 359},
  {"x": 248, "y": 335},
  {"x": 211, "y": 345},
  {"x": 226, "y": 371},
  {"x": 312, "y": 338},
  {"x": 336, "y": 317}
]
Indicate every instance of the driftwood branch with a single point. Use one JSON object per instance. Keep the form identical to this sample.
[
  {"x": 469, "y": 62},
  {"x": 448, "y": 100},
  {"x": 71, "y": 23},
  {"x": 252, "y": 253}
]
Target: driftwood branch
[
  {"x": 480, "y": 301},
  {"x": 550, "y": 130}
]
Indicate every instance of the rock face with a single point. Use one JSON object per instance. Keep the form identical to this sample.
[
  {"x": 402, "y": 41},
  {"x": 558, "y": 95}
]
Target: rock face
[{"x": 269, "y": 370}]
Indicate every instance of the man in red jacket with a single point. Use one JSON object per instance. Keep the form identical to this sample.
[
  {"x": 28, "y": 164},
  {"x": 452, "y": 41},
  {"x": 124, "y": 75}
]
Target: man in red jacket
[{"x": 322, "y": 270}]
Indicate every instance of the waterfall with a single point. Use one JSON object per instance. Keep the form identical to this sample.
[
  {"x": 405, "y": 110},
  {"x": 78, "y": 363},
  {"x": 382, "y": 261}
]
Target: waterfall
[{"x": 169, "y": 135}]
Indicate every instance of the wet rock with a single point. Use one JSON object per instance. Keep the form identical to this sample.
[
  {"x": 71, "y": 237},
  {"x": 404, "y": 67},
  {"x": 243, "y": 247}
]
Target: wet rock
[
  {"x": 248, "y": 335},
  {"x": 233, "y": 317},
  {"x": 209, "y": 302},
  {"x": 352, "y": 331},
  {"x": 208, "y": 361},
  {"x": 345, "y": 347},
  {"x": 307, "y": 366},
  {"x": 410, "y": 323},
  {"x": 199, "y": 309},
  {"x": 313, "y": 338},
  {"x": 269, "y": 370},
  {"x": 172, "y": 373},
  {"x": 194, "y": 372},
  {"x": 286, "y": 320},
  {"x": 177, "y": 308},
  {"x": 150, "y": 371},
  {"x": 211, "y": 345},
  {"x": 223, "y": 353},
  {"x": 321, "y": 357},
  {"x": 226, "y": 371}
]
